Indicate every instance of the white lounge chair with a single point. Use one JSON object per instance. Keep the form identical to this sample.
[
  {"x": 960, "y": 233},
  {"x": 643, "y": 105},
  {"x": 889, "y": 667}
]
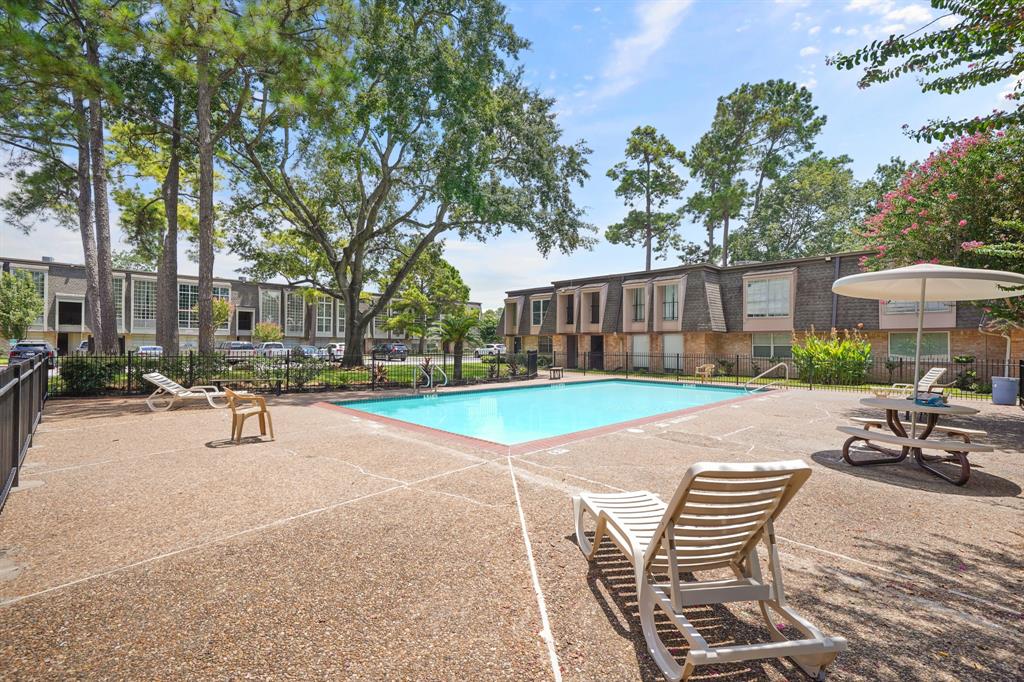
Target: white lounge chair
[
  {"x": 715, "y": 519},
  {"x": 927, "y": 384},
  {"x": 168, "y": 392}
]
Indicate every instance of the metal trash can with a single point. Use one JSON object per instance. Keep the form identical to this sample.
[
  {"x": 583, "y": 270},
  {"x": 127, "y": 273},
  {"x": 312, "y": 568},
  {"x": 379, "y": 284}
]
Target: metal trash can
[{"x": 1004, "y": 390}]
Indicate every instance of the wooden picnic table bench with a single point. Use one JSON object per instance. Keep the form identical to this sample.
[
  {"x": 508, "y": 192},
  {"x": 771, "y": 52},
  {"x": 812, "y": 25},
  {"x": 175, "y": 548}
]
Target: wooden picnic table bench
[
  {"x": 556, "y": 372},
  {"x": 249, "y": 383}
]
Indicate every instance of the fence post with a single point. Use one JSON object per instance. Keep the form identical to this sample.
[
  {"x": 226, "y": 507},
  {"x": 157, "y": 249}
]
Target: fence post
[
  {"x": 16, "y": 434},
  {"x": 287, "y": 370},
  {"x": 736, "y": 369},
  {"x": 129, "y": 387},
  {"x": 191, "y": 368},
  {"x": 677, "y": 366}
]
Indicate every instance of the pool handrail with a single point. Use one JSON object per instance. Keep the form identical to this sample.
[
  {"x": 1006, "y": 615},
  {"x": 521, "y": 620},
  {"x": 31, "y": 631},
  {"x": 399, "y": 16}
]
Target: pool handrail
[{"x": 768, "y": 371}]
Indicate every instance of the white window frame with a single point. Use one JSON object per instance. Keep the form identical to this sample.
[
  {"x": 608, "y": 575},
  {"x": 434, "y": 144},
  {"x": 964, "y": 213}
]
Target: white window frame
[
  {"x": 544, "y": 304},
  {"x": 139, "y": 324},
  {"x": 68, "y": 298},
  {"x": 910, "y": 307},
  {"x": 245, "y": 309},
  {"x": 665, "y": 288},
  {"x": 38, "y": 325},
  {"x": 193, "y": 313},
  {"x": 289, "y": 330},
  {"x": 771, "y": 344},
  {"x": 768, "y": 314},
  {"x": 639, "y": 300},
  {"x": 121, "y": 327},
  {"x": 913, "y": 336},
  {"x": 329, "y": 301},
  {"x": 340, "y": 318},
  {"x": 275, "y": 294}
]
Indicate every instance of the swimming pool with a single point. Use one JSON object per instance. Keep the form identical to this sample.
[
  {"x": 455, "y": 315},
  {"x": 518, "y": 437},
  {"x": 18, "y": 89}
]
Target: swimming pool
[{"x": 512, "y": 416}]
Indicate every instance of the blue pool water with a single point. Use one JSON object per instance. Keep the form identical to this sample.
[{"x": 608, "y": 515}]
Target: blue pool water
[{"x": 513, "y": 416}]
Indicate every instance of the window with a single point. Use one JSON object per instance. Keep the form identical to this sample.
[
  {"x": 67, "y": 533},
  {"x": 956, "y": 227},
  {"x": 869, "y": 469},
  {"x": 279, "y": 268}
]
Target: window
[
  {"x": 270, "y": 306},
  {"x": 639, "y": 294},
  {"x": 39, "y": 279},
  {"x": 910, "y": 307},
  {"x": 294, "y": 314},
  {"x": 511, "y": 318},
  {"x": 641, "y": 347},
  {"x": 934, "y": 345},
  {"x": 544, "y": 344},
  {"x": 143, "y": 304},
  {"x": 324, "y": 317},
  {"x": 669, "y": 309},
  {"x": 772, "y": 345},
  {"x": 379, "y": 321},
  {"x": 768, "y": 297},
  {"x": 595, "y": 308},
  {"x": 188, "y": 300},
  {"x": 540, "y": 309},
  {"x": 119, "y": 302},
  {"x": 341, "y": 319},
  {"x": 570, "y": 306}
]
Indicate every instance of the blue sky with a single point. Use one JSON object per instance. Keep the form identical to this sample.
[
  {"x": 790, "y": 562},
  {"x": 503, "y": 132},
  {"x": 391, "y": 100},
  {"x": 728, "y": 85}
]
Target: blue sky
[{"x": 614, "y": 65}]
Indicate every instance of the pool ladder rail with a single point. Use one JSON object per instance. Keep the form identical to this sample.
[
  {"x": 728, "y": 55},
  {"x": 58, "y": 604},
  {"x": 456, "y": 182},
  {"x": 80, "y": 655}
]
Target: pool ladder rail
[
  {"x": 749, "y": 383},
  {"x": 429, "y": 376}
]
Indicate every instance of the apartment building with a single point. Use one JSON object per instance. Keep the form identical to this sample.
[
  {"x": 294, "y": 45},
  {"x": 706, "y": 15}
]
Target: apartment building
[
  {"x": 64, "y": 321},
  {"x": 746, "y": 310}
]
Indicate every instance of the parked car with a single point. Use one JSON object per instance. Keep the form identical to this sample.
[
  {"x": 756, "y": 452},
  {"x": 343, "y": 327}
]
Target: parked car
[
  {"x": 305, "y": 351},
  {"x": 490, "y": 349},
  {"x": 271, "y": 349},
  {"x": 83, "y": 346},
  {"x": 334, "y": 351},
  {"x": 150, "y": 351},
  {"x": 390, "y": 351},
  {"x": 188, "y": 346},
  {"x": 236, "y": 351},
  {"x": 24, "y": 350}
]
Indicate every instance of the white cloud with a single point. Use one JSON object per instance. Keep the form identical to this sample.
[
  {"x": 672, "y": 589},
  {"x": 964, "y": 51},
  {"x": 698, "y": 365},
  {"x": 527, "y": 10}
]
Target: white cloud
[
  {"x": 1013, "y": 85},
  {"x": 813, "y": 30},
  {"x": 809, "y": 51},
  {"x": 793, "y": 3},
  {"x": 891, "y": 19},
  {"x": 630, "y": 55},
  {"x": 918, "y": 14},
  {"x": 809, "y": 83},
  {"x": 873, "y": 6}
]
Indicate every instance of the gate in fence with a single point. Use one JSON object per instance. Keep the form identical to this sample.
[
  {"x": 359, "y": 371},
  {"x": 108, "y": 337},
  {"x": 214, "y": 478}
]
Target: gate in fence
[{"x": 23, "y": 390}]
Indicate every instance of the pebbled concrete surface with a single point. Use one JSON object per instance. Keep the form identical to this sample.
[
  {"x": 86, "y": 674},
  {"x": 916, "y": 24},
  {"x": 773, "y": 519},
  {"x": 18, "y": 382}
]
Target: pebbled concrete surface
[{"x": 348, "y": 549}]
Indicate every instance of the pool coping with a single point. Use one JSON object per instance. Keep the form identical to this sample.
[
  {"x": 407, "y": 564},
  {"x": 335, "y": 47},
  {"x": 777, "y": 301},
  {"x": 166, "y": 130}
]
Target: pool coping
[{"x": 530, "y": 445}]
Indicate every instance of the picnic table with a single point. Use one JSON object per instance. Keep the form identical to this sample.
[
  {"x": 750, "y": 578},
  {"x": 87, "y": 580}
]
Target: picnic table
[{"x": 915, "y": 442}]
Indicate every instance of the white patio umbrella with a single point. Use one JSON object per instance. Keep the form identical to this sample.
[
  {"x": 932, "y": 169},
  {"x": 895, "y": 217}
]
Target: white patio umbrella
[{"x": 927, "y": 282}]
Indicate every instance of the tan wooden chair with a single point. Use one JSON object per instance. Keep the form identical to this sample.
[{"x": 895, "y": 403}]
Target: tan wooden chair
[
  {"x": 244, "y": 406},
  {"x": 705, "y": 372},
  {"x": 717, "y": 517}
]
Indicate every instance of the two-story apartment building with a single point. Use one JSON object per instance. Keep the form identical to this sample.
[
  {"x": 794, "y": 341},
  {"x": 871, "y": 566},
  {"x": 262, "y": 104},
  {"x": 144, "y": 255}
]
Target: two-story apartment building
[
  {"x": 746, "y": 310},
  {"x": 64, "y": 321}
]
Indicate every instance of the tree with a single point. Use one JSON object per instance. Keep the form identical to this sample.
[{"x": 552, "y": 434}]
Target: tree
[
  {"x": 488, "y": 326},
  {"x": 20, "y": 304},
  {"x": 402, "y": 152},
  {"x": 266, "y": 331},
  {"x": 986, "y": 46},
  {"x": 432, "y": 288},
  {"x": 457, "y": 328},
  {"x": 648, "y": 176},
  {"x": 810, "y": 210},
  {"x": 961, "y": 206}
]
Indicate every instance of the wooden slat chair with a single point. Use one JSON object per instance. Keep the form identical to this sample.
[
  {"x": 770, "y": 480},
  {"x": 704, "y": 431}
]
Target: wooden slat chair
[
  {"x": 169, "y": 392},
  {"x": 718, "y": 515},
  {"x": 243, "y": 406}
]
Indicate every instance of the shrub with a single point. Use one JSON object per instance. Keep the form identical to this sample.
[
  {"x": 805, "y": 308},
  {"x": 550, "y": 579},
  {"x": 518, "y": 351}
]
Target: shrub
[
  {"x": 305, "y": 371},
  {"x": 84, "y": 375},
  {"x": 838, "y": 358},
  {"x": 266, "y": 331},
  {"x": 174, "y": 367}
]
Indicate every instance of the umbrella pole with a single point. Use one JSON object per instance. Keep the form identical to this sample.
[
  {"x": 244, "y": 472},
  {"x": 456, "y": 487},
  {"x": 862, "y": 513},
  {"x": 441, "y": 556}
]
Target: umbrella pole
[{"x": 917, "y": 356}]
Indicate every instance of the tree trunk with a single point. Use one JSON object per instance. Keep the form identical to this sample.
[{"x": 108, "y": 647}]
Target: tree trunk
[
  {"x": 84, "y": 201},
  {"x": 106, "y": 338},
  {"x": 167, "y": 272},
  {"x": 204, "y": 94},
  {"x": 458, "y": 360},
  {"x": 725, "y": 240},
  {"x": 711, "y": 239},
  {"x": 311, "y": 323},
  {"x": 355, "y": 326},
  {"x": 648, "y": 236},
  {"x": 423, "y": 345}
]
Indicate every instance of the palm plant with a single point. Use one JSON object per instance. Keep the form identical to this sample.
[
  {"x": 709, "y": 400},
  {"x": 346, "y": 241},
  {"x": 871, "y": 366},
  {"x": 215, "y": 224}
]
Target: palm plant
[{"x": 456, "y": 328}]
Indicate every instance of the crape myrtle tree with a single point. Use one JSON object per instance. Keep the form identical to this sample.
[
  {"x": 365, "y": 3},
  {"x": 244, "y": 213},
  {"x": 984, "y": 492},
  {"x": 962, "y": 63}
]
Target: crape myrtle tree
[
  {"x": 647, "y": 181},
  {"x": 983, "y": 46},
  {"x": 960, "y": 206},
  {"x": 427, "y": 132}
]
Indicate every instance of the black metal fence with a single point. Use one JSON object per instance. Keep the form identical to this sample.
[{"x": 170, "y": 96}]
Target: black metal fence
[
  {"x": 23, "y": 390},
  {"x": 78, "y": 375},
  {"x": 971, "y": 379},
  {"x": 81, "y": 374}
]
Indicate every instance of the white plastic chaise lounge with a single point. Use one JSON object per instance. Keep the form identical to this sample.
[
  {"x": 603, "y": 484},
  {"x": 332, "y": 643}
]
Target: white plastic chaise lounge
[
  {"x": 168, "y": 392},
  {"x": 715, "y": 520},
  {"x": 925, "y": 385}
]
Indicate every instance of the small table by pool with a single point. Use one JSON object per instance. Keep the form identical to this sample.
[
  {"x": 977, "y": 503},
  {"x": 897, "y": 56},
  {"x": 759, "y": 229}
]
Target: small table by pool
[
  {"x": 555, "y": 372},
  {"x": 893, "y": 407}
]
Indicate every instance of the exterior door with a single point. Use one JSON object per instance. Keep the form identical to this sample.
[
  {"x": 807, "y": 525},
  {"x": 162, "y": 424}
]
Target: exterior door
[
  {"x": 673, "y": 351},
  {"x": 596, "y": 352},
  {"x": 641, "y": 356},
  {"x": 62, "y": 343},
  {"x": 571, "y": 349}
]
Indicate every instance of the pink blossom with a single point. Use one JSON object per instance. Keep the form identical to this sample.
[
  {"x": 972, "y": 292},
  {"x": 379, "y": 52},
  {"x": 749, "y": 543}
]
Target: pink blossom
[
  {"x": 911, "y": 198},
  {"x": 1000, "y": 177},
  {"x": 971, "y": 245},
  {"x": 913, "y": 226},
  {"x": 952, "y": 196},
  {"x": 934, "y": 261},
  {"x": 962, "y": 223},
  {"x": 1000, "y": 133},
  {"x": 923, "y": 212}
]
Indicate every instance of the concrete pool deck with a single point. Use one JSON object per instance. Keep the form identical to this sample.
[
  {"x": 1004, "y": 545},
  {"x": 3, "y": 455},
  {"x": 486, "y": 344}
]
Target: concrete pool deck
[{"x": 144, "y": 545}]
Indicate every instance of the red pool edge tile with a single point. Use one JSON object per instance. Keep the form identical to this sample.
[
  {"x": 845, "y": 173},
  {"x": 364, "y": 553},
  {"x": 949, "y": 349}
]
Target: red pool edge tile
[{"x": 531, "y": 445}]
